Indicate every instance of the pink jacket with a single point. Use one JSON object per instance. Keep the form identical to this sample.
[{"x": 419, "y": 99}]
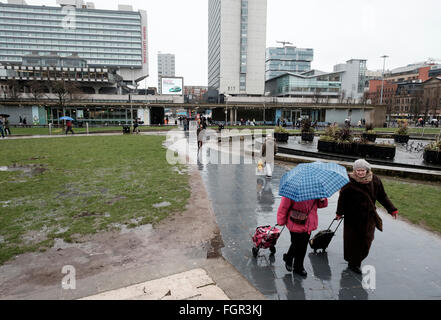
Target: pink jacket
[{"x": 304, "y": 206}]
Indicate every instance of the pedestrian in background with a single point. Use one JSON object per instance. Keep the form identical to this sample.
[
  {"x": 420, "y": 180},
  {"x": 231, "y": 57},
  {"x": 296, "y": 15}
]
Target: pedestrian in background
[
  {"x": 1, "y": 128},
  {"x": 269, "y": 140},
  {"x": 69, "y": 126},
  {"x": 200, "y": 135},
  {"x": 135, "y": 126},
  {"x": 357, "y": 205},
  {"x": 7, "y": 130}
]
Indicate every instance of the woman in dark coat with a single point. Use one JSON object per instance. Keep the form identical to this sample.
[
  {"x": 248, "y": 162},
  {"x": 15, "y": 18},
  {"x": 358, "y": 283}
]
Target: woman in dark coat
[{"x": 357, "y": 204}]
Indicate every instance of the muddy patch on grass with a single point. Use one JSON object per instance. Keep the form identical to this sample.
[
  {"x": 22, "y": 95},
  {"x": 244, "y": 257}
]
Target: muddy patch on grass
[
  {"x": 28, "y": 170},
  {"x": 32, "y": 237},
  {"x": 178, "y": 239},
  {"x": 88, "y": 214},
  {"x": 115, "y": 199}
]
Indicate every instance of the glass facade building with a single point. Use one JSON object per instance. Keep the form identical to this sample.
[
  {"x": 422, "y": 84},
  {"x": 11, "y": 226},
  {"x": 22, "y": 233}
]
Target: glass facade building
[
  {"x": 295, "y": 85},
  {"x": 104, "y": 38},
  {"x": 287, "y": 60}
]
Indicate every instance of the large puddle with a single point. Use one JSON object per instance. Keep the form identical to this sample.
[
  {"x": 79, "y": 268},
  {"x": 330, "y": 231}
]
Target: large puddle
[{"x": 27, "y": 169}]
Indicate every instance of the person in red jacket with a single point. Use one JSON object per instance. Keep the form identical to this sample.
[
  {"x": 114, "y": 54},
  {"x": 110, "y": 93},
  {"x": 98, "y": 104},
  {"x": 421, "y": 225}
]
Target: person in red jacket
[
  {"x": 301, "y": 219},
  {"x": 69, "y": 126}
]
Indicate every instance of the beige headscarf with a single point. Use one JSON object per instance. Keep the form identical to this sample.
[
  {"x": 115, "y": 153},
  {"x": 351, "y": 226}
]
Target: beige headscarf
[{"x": 361, "y": 163}]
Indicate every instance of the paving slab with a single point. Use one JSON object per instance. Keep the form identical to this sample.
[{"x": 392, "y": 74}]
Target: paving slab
[{"x": 195, "y": 284}]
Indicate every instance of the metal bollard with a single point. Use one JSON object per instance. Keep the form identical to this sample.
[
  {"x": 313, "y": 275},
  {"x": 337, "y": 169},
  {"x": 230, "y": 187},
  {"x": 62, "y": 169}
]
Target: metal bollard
[
  {"x": 87, "y": 128},
  {"x": 50, "y": 129}
]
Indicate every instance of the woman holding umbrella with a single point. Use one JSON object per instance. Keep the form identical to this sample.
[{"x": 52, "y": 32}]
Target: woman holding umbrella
[
  {"x": 299, "y": 228},
  {"x": 304, "y": 190},
  {"x": 357, "y": 204}
]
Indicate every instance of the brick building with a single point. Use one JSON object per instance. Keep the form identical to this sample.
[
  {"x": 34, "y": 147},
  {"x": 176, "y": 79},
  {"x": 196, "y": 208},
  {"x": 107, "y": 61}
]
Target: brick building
[{"x": 432, "y": 97}]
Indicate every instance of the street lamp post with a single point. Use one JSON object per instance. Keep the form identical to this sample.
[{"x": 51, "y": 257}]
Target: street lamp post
[
  {"x": 131, "y": 109},
  {"x": 382, "y": 81}
]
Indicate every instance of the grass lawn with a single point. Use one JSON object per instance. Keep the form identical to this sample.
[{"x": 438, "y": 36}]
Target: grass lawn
[
  {"x": 419, "y": 203},
  {"x": 57, "y": 131},
  {"x": 83, "y": 185}
]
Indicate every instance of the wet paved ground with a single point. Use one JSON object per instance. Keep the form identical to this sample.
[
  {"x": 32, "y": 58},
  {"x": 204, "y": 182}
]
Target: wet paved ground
[{"x": 407, "y": 259}]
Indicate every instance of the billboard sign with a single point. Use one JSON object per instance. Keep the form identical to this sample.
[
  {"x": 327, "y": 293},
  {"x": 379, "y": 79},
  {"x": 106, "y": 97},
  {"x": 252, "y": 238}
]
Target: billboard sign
[{"x": 172, "y": 86}]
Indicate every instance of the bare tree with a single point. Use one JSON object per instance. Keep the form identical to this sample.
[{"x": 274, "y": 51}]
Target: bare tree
[
  {"x": 389, "y": 109},
  {"x": 36, "y": 89},
  {"x": 13, "y": 89},
  {"x": 436, "y": 101},
  {"x": 342, "y": 96},
  {"x": 316, "y": 97},
  {"x": 416, "y": 104},
  {"x": 364, "y": 98},
  {"x": 65, "y": 91}
]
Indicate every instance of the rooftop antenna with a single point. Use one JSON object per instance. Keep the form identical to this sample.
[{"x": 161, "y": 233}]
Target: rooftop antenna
[{"x": 433, "y": 60}]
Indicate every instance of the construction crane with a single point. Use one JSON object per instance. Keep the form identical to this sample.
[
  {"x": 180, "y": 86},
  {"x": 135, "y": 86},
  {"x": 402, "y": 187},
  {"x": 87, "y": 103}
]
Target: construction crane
[{"x": 284, "y": 42}]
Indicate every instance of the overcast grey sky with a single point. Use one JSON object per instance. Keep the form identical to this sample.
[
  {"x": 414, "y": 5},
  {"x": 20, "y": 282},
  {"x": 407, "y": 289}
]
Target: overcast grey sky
[{"x": 406, "y": 30}]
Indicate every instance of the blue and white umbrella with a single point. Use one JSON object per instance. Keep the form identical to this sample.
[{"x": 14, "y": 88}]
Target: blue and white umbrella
[
  {"x": 314, "y": 180},
  {"x": 66, "y": 118}
]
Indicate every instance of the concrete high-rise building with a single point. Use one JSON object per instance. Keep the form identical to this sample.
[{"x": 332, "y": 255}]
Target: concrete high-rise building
[
  {"x": 113, "y": 39},
  {"x": 287, "y": 59},
  {"x": 236, "y": 46},
  {"x": 166, "y": 67}
]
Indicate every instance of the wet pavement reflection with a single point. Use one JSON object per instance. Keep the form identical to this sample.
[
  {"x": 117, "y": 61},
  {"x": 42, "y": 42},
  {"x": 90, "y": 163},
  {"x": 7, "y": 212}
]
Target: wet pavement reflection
[
  {"x": 407, "y": 259},
  {"x": 404, "y": 262}
]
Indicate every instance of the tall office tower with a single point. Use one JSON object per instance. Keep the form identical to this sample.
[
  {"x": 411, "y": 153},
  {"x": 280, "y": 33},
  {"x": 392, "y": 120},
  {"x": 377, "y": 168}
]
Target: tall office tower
[
  {"x": 113, "y": 39},
  {"x": 287, "y": 59},
  {"x": 166, "y": 67},
  {"x": 236, "y": 46}
]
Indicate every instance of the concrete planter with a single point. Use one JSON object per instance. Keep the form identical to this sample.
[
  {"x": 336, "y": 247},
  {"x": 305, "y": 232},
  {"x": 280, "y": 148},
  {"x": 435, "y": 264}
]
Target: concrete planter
[
  {"x": 307, "y": 136},
  {"x": 399, "y": 138},
  {"x": 432, "y": 156},
  {"x": 281, "y": 137},
  {"x": 370, "y": 136},
  {"x": 357, "y": 149}
]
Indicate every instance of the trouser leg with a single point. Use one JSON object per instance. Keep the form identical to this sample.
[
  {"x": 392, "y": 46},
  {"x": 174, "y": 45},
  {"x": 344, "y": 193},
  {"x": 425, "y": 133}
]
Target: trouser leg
[{"x": 300, "y": 250}]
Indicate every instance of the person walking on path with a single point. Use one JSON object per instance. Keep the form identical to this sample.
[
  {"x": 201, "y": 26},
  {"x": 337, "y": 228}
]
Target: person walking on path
[
  {"x": 268, "y": 164},
  {"x": 1, "y": 128},
  {"x": 356, "y": 204},
  {"x": 200, "y": 135},
  {"x": 7, "y": 130},
  {"x": 301, "y": 219},
  {"x": 135, "y": 126},
  {"x": 69, "y": 126}
]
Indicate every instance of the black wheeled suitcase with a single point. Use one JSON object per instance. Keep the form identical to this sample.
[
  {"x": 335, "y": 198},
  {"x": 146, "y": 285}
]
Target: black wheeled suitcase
[{"x": 322, "y": 239}]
